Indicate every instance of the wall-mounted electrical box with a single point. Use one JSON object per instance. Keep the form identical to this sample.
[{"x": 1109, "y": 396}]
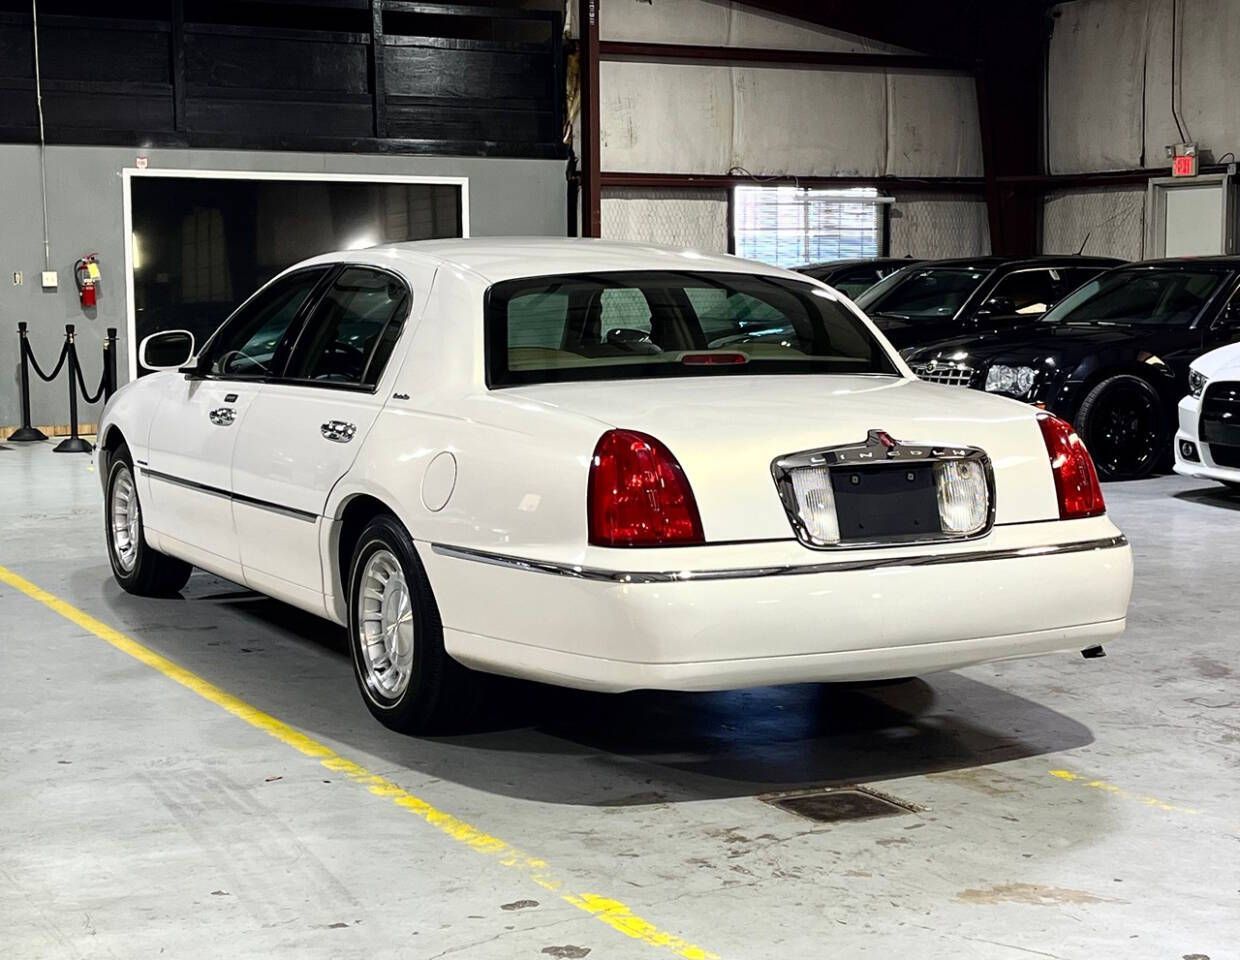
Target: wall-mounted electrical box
[{"x": 49, "y": 279}]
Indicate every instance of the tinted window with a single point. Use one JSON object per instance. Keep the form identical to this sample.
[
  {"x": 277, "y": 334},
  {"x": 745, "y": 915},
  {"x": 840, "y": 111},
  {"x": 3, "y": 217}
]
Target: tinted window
[
  {"x": 1026, "y": 292},
  {"x": 617, "y": 326},
  {"x": 354, "y": 328},
  {"x": 930, "y": 293},
  {"x": 1073, "y": 277},
  {"x": 1130, "y": 297},
  {"x": 253, "y": 342},
  {"x": 855, "y": 282}
]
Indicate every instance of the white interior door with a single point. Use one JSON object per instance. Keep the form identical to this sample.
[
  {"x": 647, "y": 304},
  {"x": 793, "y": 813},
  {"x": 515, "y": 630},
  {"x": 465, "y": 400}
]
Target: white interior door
[
  {"x": 1189, "y": 217},
  {"x": 1194, "y": 221}
]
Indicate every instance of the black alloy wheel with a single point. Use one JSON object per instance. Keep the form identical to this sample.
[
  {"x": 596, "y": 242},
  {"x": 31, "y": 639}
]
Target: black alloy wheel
[{"x": 1123, "y": 424}]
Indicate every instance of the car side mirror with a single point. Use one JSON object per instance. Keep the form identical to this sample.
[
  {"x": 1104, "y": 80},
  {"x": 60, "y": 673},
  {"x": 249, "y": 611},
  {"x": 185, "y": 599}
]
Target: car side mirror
[
  {"x": 166, "y": 350},
  {"x": 998, "y": 307}
]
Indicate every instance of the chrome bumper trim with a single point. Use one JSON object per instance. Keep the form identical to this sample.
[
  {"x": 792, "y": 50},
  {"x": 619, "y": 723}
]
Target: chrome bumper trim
[{"x": 577, "y": 572}]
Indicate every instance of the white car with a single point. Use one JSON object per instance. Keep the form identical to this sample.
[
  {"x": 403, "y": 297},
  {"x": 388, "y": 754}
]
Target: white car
[
  {"x": 1207, "y": 444},
  {"x": 603, "y": 465}
]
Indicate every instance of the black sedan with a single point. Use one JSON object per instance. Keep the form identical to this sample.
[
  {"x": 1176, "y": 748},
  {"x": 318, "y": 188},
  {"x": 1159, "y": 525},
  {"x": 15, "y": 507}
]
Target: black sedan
[
  {"x": 853, "y": 277},
  {"x": 929, "y": 302},
  {"x": 1112, "y": 358}
]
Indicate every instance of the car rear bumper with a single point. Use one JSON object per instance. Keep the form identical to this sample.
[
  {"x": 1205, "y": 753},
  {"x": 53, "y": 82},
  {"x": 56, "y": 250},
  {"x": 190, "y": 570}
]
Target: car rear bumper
[{"x": 1023, "y": 590}]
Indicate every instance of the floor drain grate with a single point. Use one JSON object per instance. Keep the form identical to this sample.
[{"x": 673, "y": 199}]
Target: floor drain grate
[{"x": 835, "y": 804}]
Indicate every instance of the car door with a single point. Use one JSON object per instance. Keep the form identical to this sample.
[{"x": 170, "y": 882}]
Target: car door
[
  {"x": 194, "y": 429},
  {"x": 303, "y": 431}
]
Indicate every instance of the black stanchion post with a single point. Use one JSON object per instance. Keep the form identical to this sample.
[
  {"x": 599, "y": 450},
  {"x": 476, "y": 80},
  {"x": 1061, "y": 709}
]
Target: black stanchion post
[
  {"x": 109, "y": 364},
  {"x": 25, "y": 432},
  {"x": 72, "y": 443}
]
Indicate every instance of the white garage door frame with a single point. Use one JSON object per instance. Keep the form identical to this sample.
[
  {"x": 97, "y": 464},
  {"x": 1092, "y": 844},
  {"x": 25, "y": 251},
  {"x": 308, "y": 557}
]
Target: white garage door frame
[{"x": 128, "y": 173}]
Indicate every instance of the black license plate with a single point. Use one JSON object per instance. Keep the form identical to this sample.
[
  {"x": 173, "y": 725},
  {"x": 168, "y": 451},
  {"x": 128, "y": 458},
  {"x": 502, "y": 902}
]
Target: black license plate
[{"x": 883, "y": 502}]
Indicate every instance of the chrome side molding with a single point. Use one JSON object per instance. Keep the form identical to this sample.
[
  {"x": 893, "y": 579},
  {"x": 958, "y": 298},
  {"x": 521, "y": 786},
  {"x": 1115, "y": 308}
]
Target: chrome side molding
[{"x": 578, "y": 572}]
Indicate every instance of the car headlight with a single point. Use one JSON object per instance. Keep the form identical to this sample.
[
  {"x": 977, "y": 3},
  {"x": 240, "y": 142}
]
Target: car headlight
[
  {"x": 1197, "y": 383},
  {"x": 1013, "y": 381}
]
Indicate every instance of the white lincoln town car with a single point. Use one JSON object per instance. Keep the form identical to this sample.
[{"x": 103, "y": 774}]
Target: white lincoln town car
[{"x": 602, "y": 465}]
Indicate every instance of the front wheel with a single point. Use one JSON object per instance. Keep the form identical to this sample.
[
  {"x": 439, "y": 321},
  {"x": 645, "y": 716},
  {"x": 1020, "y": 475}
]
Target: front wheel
[
  {"x": 1123, "y": 425},
  {"x": 406, "y": 677},
  {"x": 137, "y": 567}
]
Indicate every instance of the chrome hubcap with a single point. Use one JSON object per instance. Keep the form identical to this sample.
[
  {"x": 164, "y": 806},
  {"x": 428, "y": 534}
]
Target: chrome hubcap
[
  {"x": 385, "y": 625},
  {"x": 126, "y": 520}
]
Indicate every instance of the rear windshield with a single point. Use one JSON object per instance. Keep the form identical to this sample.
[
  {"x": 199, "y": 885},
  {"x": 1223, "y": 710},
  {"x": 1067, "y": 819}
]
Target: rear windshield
[
  {"x": 922, "y": 294},
  {"x": 1144, "y": 296},
  {"x": 630, "y": 325}
]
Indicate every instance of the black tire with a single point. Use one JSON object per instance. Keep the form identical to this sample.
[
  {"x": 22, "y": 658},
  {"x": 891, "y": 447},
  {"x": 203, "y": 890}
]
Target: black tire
[
  {"x": 137, "y": 567},
  {"x": 1124, "y": 425},
  {"x": 439, "y": 694}
]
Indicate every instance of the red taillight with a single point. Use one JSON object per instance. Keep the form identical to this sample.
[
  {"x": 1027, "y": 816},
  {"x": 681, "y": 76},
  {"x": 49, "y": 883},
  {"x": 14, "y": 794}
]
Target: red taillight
[
  {"x": 639, "y": 496},
  {"x": 1076, "y": 480}
]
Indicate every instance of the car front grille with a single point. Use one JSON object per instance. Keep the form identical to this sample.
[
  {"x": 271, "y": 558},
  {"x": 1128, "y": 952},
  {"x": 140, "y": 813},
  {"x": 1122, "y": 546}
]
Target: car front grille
[
  {"x": 1225, "y": 456},
  {"x": 1220, "y": 416},
  {"x": 949, "y": 374}
]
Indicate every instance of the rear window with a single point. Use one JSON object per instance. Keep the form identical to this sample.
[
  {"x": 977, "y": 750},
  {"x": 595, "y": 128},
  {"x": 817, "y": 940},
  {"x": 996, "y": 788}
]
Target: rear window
[{"x": 620, "y": 326}]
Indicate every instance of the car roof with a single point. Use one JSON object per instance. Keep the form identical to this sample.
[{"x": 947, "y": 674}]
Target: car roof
[
  {"x": 1231, "y": 261},
  {"x": 856, "y": 262},
  {"x": 506, "y": 258},
  {"x": 1015, "y": 263}
]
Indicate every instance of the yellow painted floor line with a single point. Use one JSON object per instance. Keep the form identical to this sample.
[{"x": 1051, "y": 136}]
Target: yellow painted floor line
[
  {"x": 1111, "y": 788},
  {"x": 611, "y": 912}
]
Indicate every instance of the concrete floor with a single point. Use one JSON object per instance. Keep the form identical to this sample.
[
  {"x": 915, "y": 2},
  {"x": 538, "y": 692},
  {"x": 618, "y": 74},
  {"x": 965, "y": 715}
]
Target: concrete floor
[{"x": 138, "y": 819}]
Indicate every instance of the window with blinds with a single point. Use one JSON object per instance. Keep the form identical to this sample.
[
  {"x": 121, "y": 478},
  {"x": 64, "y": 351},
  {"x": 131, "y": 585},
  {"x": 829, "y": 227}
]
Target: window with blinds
[{"x": 793, "y": 226}]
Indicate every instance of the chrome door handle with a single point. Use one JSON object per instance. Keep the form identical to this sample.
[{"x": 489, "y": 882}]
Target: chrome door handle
[
  {"x": 338, "y": 431},
  {"x": 223, "y": 416}
]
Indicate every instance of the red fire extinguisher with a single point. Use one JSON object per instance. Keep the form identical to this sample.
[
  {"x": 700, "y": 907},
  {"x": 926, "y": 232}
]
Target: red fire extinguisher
[{"x": 86, "y": 275}]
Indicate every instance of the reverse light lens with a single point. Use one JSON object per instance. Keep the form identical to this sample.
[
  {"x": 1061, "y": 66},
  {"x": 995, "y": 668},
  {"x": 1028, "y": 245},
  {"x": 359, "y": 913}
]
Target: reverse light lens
[
  {"x": 964, "y": 500},
  {"x": 1197, "y": 383},
  {"x": 638, "y": 494},
  {"x": 1012, "y": 381},
  {"x": 816, "y": 503},
  {"x": 1076, "y": 480}
]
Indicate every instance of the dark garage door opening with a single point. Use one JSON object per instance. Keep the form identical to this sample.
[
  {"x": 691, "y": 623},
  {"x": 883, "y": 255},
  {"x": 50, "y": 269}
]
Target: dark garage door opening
[{"x": 202, "y": 245}]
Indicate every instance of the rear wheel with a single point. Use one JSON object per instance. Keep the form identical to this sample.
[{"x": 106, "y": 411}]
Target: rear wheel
[
  {"x": 137, "y": 567},
  {"x": 1123, "y": 425},
  {"x": 406, "y": 677}
]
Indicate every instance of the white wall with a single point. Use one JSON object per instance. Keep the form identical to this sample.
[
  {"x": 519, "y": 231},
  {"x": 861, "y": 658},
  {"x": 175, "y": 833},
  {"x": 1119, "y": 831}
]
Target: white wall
[
  {"x": 1109, "y": 103},
  {"x": 801, "y": 121}
]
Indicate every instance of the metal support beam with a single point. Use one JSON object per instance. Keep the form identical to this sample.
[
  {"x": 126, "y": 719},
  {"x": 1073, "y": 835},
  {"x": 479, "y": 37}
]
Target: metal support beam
[
  {"x": 378, "y": 90},
  {"x": 723, "y": 181},
  {"x": 588, "y": 51},
  {"x": 663, "y": 52}
]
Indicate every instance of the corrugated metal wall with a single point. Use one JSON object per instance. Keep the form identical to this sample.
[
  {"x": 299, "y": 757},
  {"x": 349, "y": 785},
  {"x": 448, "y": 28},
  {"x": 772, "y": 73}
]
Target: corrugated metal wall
[{"x": 709, "y": 119}]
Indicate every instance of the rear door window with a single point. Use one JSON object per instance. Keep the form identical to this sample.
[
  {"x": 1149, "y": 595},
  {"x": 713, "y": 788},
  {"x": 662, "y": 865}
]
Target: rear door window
[{"x": 354, "y": 328}]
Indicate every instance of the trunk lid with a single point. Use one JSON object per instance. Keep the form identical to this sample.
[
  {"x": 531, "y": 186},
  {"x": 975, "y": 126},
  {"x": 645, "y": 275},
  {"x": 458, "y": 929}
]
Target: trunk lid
[{"x": 726, "y": 431}]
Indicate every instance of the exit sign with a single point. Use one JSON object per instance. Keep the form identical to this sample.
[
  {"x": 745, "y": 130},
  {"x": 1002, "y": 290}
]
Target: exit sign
[{"x": 1184, "y": 166}]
